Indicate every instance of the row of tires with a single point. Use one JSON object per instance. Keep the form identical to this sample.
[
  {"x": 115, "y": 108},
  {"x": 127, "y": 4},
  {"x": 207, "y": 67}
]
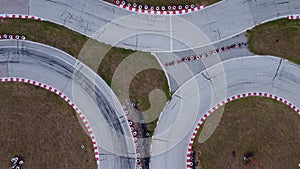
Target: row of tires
[
  {"x": 17, "y": 37},
  {"x": 154, "y": 8},
  {"x": 134, "y": 134},
  {"x": 206, "y": 54}
]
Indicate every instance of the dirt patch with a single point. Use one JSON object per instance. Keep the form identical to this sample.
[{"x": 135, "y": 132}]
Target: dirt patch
[
  {"x": 42, "y": 129},
  {"x": 278, "y": 38},
  {"x": 268, "y": 128}
]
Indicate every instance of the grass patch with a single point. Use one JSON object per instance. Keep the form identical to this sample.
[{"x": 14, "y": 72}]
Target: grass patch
[
  {"x": 278, "y": 38},
  {"x": 262, "y": 125},
  {"x": 169, "y": 2},
  {"x": 152, "y": 125},
  {"x": 36, "y": 124},
  {"x": 73, "y": 42}
]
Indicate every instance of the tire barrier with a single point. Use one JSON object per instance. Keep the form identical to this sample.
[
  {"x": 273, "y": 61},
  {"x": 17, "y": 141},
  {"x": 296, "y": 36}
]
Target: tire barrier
[
  {"x": 206, "y": 54},
  {"x": 16, "y": 37},
  {"x": 133, "y": 132},
  {"x": 293, "y": 17},
  {"x": 190, "y": 152},
  {"x": 15, "y": 16},
  {"x": 159, "y": 10},
  {"x": 69, "y": 101}
]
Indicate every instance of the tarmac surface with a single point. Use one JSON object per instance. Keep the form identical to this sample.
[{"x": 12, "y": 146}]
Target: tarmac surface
[
  {"x": 178, "y": 74},
  {"x": 198, "y": 85},
  {"x": 208, "y": 88},
  {"x": 25, "y": 59},
  {"x": 118, "y": 27}
]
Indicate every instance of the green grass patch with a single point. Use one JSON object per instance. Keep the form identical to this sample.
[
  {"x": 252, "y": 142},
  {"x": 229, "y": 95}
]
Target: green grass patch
[
  {"x": 278, "y": 38},
  {"x": 261, "y": 125}
]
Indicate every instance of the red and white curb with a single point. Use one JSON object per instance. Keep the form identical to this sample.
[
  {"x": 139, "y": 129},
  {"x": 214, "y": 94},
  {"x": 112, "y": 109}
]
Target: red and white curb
[
  {"x": 159, "y": 10},
  {"x": 293, "y": 17},
  {"x": 189, "y": 160},
  {"x": 17, "y": 16},
  {"x": 16, "y": 37},
  {"x": 60, "y": 94}
]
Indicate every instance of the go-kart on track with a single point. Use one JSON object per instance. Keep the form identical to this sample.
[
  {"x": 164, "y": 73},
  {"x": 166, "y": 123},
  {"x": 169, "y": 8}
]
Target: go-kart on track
[{"x": 155, "y": 33}]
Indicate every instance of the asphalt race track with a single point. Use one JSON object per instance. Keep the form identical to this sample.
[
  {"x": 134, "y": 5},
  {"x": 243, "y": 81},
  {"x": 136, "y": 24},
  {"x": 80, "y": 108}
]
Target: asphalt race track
[
  {"x": 204, "y": 91},
  {"x": 118, "y": 27},
  {"x": 25, "y": 59},
  {"x": 198, "y": 86}
]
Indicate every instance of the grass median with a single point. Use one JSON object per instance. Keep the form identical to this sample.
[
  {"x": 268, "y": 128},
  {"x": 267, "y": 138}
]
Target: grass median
[
  {"x": 260, "y": 125},
  {"x": 38, "y": 126},
  {"x": 278, "y": 38},
  {"x": 73, "y": 42}
]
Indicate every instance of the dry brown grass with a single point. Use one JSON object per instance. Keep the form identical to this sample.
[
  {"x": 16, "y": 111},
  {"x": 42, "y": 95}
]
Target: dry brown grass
[
  {"x": 278, "y": 38},
  {"x": 46, "y": 33},
  {"x": 149, "y": 84},
  {"x": 268, "y": 128},
  {"x": 41, "y": 129},
  {"x": 169, "y": 2}
]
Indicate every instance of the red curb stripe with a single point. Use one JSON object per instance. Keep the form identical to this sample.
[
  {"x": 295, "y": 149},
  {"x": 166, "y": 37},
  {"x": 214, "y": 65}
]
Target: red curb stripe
[
  {"x": 262, "y": 94},
  {"x": 22, "y": 80}
]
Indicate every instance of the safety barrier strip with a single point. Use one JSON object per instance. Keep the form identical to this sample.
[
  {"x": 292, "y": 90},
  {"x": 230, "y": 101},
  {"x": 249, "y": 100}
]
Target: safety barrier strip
[
  {"x": 189, "y": 160},
  {"x": 293, "y": 17},
  {"x": 17, "y": 16},
  {"x": 16, "y": 37},
  {"x": 170, "y": 10},
  {"x": 60, "y": 94},
  {"x": 133, "y": 132},
  {"x": 207, "y": 54}
]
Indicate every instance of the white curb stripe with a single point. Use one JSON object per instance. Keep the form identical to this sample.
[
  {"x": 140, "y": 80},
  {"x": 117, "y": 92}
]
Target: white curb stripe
[
  {"x": 189, "y": 164},
  {"x": 293, "y": 17},
  {"x": 18, "y": 16},
  {"x": 70, "y": 102}
]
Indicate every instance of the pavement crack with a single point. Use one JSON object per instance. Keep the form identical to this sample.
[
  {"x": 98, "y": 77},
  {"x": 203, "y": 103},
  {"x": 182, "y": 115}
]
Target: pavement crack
[
  {"x": 252, "y": 11},
  {"x": 100, "y": 34},
  {"x": 60, "y": 3},
  {"x": 178, "y": 97},
  {"x": 206, "y": 76},
  {"x": 278, "y": 13},
  {"x": 161, "y": 140},
  {"x": 173, "y": 106},
  {"x": 280, "y": 3},
  {"x": 136, "y": 41},
  {"x": 66, "y": 17},
  {"x": 211, "y": 23},
  {"x": 219, "y": 34},
  {"x": 277, "y": 69}
]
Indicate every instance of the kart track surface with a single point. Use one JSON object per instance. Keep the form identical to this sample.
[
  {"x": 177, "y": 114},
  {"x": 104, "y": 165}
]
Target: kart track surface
[
  {"x": 90, "y": 94},
  {"x": 192, "y": 101},
  {"x": 118, "y": 27},
  {"x": 161, "y": 34}
]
